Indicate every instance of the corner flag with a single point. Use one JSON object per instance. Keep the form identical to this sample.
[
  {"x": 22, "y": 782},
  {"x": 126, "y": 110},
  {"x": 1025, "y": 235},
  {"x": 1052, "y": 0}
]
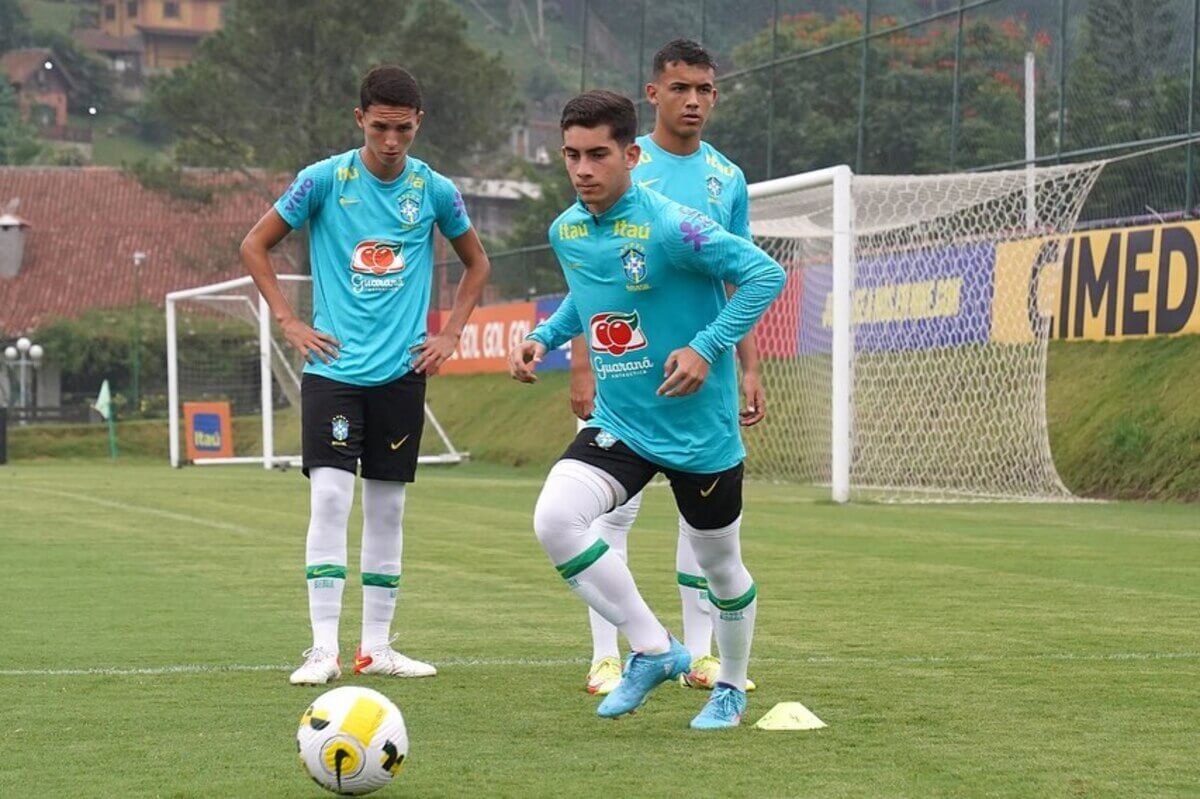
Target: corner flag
[{"x": 103, "y": 406}]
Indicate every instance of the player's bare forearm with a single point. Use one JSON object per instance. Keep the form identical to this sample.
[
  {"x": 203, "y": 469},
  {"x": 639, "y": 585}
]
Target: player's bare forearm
[
  {"x": 476, "y": 269},
  {"x": 255, "y": 252},
  {"x": 583, "y": 382},
  {"x": 437, "y": 349}
]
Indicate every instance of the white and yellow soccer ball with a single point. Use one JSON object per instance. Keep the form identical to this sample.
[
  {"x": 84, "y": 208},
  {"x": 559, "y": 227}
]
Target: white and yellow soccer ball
[{"x": 352, "y": 740}]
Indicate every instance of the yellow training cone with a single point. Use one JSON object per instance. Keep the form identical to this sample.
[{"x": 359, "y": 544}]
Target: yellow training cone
[{"x": 789, "y": 716}]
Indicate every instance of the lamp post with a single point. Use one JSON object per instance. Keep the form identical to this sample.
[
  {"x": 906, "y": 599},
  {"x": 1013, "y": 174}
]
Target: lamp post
[
  {"x": 25, "y": 355},
  {"x": 139, "y": 258}
]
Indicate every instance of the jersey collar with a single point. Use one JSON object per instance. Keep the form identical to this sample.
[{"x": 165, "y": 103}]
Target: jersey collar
[{"x": 626, "y": 201}]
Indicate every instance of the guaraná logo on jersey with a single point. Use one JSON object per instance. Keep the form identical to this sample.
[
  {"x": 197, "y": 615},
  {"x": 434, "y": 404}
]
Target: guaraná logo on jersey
[
  {"x": 633, "y": 262},
  {"x": 617, "y": 333},
  {"x": 373, "y": 257},
  {"x": 410, "y": 208}
]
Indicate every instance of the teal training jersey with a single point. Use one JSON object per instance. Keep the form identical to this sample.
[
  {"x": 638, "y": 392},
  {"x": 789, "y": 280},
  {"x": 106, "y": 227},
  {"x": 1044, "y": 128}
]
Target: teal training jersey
[
  {"x": 704, "y": 180},
  {"x": 647, "y": 277},
  {"x": 371, "y": 252}
]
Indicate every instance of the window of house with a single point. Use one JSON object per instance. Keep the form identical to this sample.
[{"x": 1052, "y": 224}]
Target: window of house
[
  {"x": 110, "y": 11},
  {"x": 131, "y": 8},
  {"x": 171, "y": 10}
]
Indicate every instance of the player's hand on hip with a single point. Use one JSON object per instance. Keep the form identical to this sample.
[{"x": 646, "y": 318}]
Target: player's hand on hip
[
  {"x": 685, "y": 371},
  {"x": 312, "y": 344},
  {"x": 583, "y": 392},
  {"x": 433, "y": 352},
  {"x": 756, "y": 400},
  {"x": 524, "y": 358}
]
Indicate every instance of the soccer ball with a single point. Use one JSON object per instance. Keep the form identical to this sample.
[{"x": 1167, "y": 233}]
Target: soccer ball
[{"x": 352, "y": 740}]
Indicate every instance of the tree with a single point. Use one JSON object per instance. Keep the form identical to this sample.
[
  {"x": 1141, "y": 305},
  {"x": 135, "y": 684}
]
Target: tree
[
  {"x": 14, "y": 25},
  {"x": 908, "y": 122},
  {"x": 18, "y": 144},
  {"x": 275, "y": 87}
]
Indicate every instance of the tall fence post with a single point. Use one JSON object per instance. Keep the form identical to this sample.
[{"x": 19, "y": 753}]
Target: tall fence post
[
  {"x": 771, "y": 90},
  {"x": 862, "y": 88},
  {"x": 583, "y": 46},
  {"x": 1062, "y": 80},
  {"x": 1190, "y": 199},
  {"x": 958, "y": 43}
]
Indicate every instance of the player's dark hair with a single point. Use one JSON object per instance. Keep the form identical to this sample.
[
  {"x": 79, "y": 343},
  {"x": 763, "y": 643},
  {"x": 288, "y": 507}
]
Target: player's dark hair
[
  {"x": 388, "y": 85},
  {"x": 685, "y": 51},
  {"x": 601, "y": 107}
]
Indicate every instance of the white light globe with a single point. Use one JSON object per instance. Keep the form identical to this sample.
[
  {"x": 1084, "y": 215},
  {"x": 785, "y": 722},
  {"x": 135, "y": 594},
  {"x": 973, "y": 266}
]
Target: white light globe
[
  {"x": 10, "y": 352},
  {"x": 23, "y": 345},
  {"x": 36, "y": 352}
]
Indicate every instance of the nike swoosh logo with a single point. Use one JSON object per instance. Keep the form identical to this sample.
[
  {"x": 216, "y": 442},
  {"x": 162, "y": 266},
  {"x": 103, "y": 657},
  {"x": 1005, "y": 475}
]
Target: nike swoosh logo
[
  {"x": 705, "y": 493},
  {"x": 400, "y": 443},
  {"x": 347, "y": 200},
  {"x": 645, "y": 184}
]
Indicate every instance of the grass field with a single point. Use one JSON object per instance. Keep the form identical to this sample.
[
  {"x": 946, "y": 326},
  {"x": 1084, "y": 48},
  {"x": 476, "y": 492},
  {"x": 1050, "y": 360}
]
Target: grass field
[{"x": 150, "y": 617}]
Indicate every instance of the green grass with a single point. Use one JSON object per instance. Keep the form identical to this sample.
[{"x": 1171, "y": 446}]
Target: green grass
[
  {"x": 52, "y": 16},
  {"x": 953, "y": 650}
]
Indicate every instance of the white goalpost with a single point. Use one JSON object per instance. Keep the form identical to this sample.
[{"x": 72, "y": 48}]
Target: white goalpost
[
  {"x": 222, "y": 346},
  {"x": 906, "y": 359}
]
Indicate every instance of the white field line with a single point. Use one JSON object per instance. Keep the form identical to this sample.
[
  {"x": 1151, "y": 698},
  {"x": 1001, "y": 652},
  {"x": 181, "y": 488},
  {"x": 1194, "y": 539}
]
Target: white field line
[
  {"x": 149, "y": 511},
  {"x": 916, "y": 660}
]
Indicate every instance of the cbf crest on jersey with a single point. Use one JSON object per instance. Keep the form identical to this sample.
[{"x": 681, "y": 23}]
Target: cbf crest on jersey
[
  {"x": 410, "y": 208},
  {"x": 714, "y": 186},
  {"x": 633, "y": 262}
]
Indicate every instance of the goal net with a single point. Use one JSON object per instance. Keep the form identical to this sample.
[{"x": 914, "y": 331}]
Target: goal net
[
  {"x": 224, "y": 347},
  {"x": 906, "y": 358}
]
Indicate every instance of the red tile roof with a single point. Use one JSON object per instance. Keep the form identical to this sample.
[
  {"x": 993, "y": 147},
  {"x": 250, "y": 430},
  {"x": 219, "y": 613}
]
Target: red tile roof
[
  {"x": 85, "y": 223},
  {"x": 20, "y": 64}
]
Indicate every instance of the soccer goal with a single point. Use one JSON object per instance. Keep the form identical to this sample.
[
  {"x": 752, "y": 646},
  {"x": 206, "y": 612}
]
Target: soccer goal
[
  {"x": 223, "y": 347},
  {"x": 906, "y": 358}
]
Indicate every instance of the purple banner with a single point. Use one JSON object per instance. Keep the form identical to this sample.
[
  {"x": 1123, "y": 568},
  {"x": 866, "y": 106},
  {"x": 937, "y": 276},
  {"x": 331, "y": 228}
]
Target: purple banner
[{"x": 917, "y": 300}]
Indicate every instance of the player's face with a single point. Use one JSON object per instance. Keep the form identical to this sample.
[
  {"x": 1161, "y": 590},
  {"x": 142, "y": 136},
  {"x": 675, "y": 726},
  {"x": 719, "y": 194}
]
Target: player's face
[
  {"x": 388, "y": 130},
  {"x": 683, "y": 96},
  {"x": 599, "y": 167}
]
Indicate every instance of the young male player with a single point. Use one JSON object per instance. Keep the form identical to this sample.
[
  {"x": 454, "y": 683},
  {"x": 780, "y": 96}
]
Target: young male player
[
  {"x": 646, "y": 278},
  {"x": 677, "y": 163},
  {"x": 371, "y": 213}
]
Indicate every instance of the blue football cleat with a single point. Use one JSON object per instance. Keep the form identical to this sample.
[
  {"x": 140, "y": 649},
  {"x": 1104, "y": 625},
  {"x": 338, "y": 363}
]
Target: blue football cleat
[
  {"x": 723, "y": 710},
  {"x": 642, "y": 674}
]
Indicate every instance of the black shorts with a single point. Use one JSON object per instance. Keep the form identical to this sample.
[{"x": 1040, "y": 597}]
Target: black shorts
[
  {"x": 706, "y": 501},
  {"x": 379, "y": 425}
]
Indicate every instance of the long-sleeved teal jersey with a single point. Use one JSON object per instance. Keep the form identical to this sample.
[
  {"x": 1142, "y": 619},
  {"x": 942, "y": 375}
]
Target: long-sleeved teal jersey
[
  {"x": 645, "y": 278},
  {"x": 371, "y": 246},
  {"x": 704, "y": 180}
]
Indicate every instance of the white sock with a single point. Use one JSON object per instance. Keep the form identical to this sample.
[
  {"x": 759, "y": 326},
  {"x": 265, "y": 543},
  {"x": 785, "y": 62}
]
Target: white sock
[
  {"x": 331, "y": 494},
  {"x": 693, "y": 596},
  {"x": 382, "y": 544},
  {"x": 732, "y": 592},
  {"x": 575, "y": 495},
  {"x": 613, "y": 527}
]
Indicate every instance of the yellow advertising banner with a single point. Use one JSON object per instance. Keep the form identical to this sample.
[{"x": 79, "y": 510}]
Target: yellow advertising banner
[{"x": 1100, "y": 285}]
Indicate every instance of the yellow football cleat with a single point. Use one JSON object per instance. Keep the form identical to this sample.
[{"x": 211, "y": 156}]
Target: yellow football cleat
[
  {"x": 604, "y": 676},
  {"x": 704, "y": 672}
]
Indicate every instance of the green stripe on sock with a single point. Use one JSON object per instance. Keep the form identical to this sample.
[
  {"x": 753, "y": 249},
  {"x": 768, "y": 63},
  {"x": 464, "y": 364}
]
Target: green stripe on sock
[
  {"x": 320, "y": 570},
  {"x": 734, "y": 604},
  {"x": 381, "y": 580},
  {"x": 691, "y": 581},
  {"x": 581, "y": 561}
]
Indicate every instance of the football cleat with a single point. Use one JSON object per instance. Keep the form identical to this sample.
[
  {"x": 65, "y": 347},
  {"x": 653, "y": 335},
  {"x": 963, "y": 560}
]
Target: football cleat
[
  {"x": 320, "y": 666},
  {"x": 387, "y": 661},
  {"x": 704, "y": 672},
  {"x": 723, "y": 709},
  {"x": 604, "y": 676},
  {"x": 643, "y": 673}
]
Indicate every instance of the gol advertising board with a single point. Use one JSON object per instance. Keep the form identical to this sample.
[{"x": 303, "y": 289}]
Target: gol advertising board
[
  {"x": 207, "y": 429},
  {"x": 1115, "y": 284},
  {"x": 487, "y": 337}
]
